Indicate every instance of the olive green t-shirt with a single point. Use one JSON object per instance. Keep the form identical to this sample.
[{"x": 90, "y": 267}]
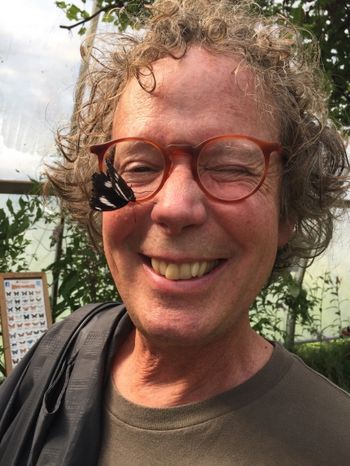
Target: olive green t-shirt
[{"x": 286, "y": 414}]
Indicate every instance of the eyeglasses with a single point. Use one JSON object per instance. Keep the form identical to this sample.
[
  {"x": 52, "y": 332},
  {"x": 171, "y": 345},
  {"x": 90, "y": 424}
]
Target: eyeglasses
[{"x": 227, "y": 168}]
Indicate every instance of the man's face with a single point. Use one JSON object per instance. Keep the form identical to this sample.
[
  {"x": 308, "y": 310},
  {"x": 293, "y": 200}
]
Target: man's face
[{"x": 197, "y": 97}]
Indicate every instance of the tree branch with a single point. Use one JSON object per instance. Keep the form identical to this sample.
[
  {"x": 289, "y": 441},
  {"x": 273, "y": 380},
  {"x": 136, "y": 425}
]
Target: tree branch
[{"x": 89, "y": 18}]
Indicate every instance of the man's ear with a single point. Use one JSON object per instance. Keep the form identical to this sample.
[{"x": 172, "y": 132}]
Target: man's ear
[{"x": 285, "y": 231}]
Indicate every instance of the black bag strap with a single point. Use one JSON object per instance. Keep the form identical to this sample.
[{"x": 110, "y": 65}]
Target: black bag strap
[{"x": 34, "y": 395}]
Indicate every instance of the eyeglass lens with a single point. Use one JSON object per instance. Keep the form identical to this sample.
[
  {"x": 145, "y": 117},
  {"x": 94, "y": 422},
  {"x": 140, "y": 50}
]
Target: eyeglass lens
[{"x": 229, "y": 169}]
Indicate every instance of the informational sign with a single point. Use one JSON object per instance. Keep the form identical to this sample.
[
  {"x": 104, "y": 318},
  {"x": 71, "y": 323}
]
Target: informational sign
[{"x": 25, "y": 313}]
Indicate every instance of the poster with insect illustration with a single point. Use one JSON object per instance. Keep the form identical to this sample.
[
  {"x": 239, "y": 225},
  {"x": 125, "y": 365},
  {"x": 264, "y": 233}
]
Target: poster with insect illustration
[{"x": 25, "y": 313}]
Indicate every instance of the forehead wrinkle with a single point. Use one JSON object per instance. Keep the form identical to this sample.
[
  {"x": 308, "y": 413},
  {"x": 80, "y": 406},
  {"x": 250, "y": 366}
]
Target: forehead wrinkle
[{"x": 175, "y": 93}]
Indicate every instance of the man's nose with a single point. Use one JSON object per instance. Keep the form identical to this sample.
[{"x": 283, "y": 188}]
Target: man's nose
[{"x": 180, "y": 203}]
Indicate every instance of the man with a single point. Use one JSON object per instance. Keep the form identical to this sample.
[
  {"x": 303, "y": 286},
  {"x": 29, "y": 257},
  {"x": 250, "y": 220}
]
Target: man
[{"x": 229, "y": 167}]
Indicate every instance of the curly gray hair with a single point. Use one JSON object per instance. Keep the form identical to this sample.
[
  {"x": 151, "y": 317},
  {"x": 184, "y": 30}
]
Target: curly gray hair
[{"x": 315, "y": 177}]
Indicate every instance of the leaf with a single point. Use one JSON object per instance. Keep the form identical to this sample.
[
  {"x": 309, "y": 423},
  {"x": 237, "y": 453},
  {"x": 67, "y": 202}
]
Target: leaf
[
  {"x": 62, "y": 5},
  {"x": 294, "y": 289},
  {"x": 68, "y": 284},
  {"x": 73, "y": 12}
]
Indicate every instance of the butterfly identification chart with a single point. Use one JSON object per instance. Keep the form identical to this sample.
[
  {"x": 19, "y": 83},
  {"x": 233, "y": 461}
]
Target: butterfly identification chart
[{"x": 25, "y": 313}]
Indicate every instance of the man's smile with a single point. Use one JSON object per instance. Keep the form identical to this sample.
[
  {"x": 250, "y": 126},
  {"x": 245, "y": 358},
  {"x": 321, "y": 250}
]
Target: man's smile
[{"x": 183, "y": 271}]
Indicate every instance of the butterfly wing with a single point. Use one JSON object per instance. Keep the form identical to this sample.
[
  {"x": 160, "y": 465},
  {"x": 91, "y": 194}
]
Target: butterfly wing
[{"x": 109, "y": 190}]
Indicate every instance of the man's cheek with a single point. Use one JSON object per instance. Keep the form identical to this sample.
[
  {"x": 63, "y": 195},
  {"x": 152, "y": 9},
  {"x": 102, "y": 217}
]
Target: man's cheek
[{"x": 116, "y": 226}]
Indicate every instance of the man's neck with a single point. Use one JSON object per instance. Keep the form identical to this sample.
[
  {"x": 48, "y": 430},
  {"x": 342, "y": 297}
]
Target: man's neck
[{"x": 154, "y": 376}]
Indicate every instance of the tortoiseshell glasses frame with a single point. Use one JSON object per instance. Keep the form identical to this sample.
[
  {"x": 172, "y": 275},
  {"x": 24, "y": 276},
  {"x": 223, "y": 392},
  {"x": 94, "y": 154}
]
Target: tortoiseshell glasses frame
[{"x": 172, "y": 151}]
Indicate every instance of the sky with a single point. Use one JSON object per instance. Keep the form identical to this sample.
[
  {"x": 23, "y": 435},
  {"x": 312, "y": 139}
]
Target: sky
[{"x": 39, "y": 64}]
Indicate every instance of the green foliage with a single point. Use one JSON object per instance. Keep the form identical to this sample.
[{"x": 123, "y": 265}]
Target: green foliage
[
  {"x": 285, "y": 295},
  {"x": 82, "y": 273},
  {"x": 117, "y": 12},
  {"x": 14, "y": 224},
  {"x": 332, "y": 359},
  {"x": 328, "y": 21},
  {"x": 324, "y": 293},
  {"x": 306, "y": 304}
]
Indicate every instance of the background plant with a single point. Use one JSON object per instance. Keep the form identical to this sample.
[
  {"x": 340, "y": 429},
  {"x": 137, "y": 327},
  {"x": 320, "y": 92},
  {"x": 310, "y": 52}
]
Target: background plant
[
  {"x": 307, "y": 303},
  {"x": 332, "y": 359},
  {"x": 284, "y": 296},
  {"x": 14, "y": 225},
  {"x": 81, "y": 273}
]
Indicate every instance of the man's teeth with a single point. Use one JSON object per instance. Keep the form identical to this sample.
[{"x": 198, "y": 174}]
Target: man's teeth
[{"x": 173, "y": 271}]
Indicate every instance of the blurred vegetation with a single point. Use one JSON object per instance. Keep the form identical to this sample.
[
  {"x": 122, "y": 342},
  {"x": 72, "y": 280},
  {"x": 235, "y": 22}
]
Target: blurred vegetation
[
  {"x": 80, "y": 273},
  {"x": 307, "y": 303},
  {"x": 14, "y": 224},
  {"x": 332, "y": 359}
]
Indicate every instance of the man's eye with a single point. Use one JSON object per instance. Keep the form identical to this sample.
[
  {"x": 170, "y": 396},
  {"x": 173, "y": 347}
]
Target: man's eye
[
  {"x": 233, "y": 169},
  {"x": 225, "y": 168},
  {"x": 139, "y": 169}
]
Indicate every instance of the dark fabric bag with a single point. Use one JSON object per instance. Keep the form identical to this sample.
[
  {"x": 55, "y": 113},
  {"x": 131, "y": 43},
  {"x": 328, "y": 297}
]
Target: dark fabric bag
[{"x": 51, "y": 405}]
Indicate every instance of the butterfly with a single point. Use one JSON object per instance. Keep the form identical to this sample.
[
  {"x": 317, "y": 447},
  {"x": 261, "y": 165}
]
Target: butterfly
[
  {"x": 16, "y": 293},
  {"x": 109, "y": 190},
  {"x": 31, "y": 292}
]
